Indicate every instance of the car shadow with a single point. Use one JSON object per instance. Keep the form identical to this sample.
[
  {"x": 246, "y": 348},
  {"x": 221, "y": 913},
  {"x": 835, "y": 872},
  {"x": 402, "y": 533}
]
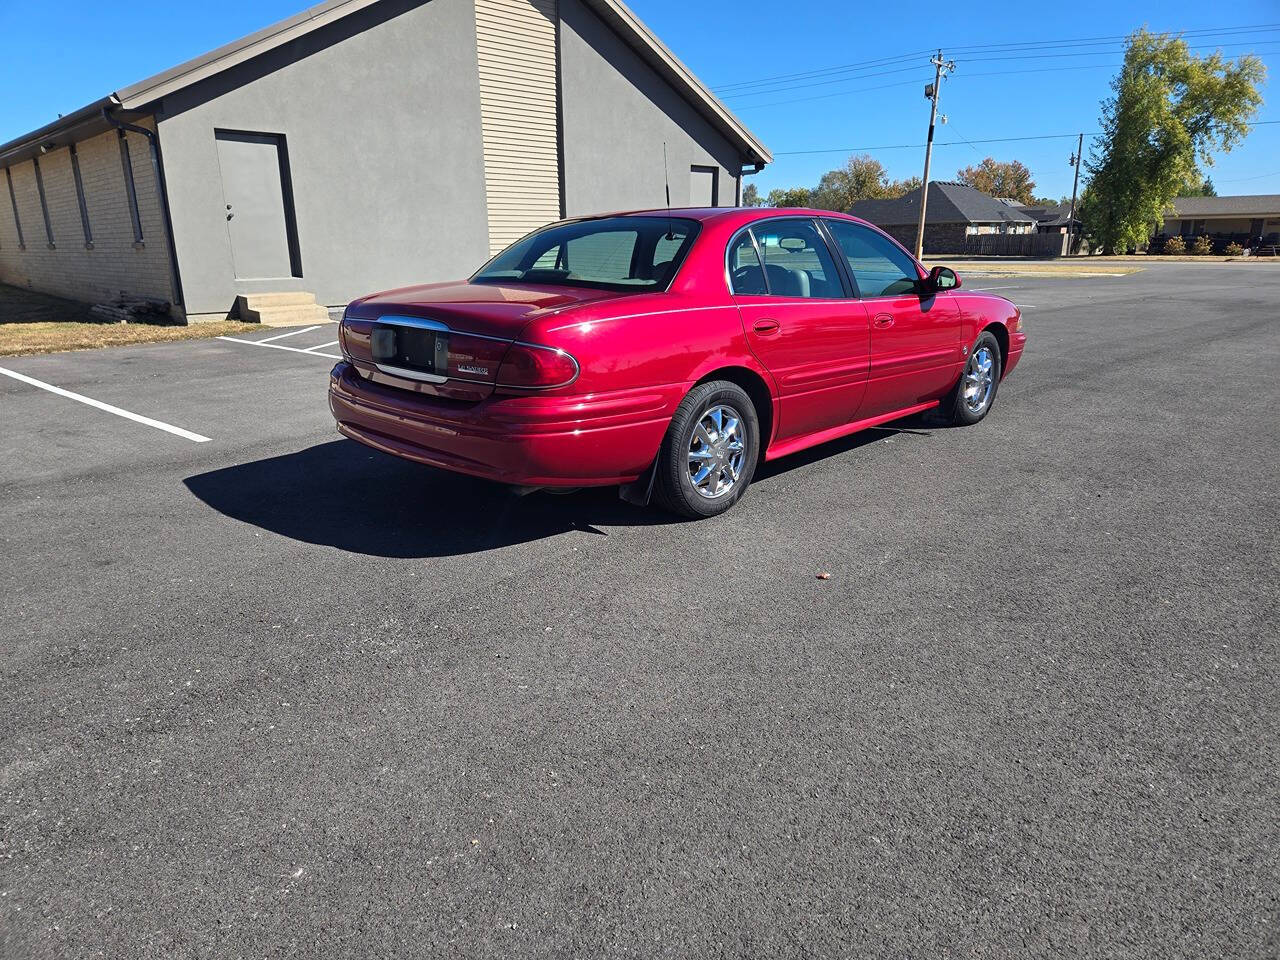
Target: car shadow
[{"x": 342, "y": 494}]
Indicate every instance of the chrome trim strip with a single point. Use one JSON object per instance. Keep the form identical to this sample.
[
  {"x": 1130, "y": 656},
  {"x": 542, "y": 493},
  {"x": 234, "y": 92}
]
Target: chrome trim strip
[
  {"x": 411, "y": 374},
  {"x": 437, "y": 326},
  {"x": 420, "y": 322}
]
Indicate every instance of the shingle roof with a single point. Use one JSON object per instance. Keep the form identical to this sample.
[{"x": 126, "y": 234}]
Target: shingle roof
[
  {"x": 949, "y": 202},
  {"x": 1052, "y": 215},
  {"x": 1246, "y": 205},
  {"x": 140, "y": 97}
]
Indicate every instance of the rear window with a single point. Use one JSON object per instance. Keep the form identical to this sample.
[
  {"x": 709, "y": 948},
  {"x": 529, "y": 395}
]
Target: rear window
[{"x": 616, "y": 253}]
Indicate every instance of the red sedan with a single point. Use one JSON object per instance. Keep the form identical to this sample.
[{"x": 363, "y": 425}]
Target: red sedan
[{"x": 667, "y": 352}]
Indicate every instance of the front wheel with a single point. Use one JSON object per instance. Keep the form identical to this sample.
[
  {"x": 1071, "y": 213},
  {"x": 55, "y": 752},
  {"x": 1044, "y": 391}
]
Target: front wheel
[
  {"x": 973, "y": 396},
  {"x": 710, "y": 451}
]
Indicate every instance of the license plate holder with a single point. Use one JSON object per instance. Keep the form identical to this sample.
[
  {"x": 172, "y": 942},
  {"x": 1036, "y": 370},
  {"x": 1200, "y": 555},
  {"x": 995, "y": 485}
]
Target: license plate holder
[{"x": 412, "y": 348}]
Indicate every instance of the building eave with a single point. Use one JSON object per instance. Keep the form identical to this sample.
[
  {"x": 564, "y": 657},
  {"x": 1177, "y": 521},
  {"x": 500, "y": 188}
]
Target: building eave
[
  {"x": 177, "y": 78},
  {"x": 75, "y": 126}
]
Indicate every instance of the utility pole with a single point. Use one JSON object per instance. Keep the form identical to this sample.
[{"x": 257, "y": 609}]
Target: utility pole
[
  {"x": 931, "y": 91},
  {"x": 1071, "y": 220}
]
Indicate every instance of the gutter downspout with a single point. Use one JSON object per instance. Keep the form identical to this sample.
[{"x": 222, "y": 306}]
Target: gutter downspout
[
  {"x": 756, "y": 167},
  {"x": 157, "y": 166}
]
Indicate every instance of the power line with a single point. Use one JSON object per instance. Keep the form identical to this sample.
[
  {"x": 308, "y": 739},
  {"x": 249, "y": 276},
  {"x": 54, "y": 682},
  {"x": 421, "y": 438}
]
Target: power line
[
  {"x": 820, "y": 83},
  {"x": 990, "y": 48},
  {"x": 868, "y": 76},
  {"x": 843, "y": 93},
  {"x": 1261, "y": 176},
  {"x": 917, "y": 146},
  {"x": 964, "y": 76},
  {"x": 957, "y": 143}
]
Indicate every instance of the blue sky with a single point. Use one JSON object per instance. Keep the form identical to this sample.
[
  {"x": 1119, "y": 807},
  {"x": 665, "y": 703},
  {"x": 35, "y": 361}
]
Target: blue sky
[{"x": 60, "y": 54}]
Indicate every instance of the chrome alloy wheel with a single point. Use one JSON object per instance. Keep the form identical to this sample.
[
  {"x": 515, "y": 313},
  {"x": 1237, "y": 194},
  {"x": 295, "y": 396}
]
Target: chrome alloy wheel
[
  {"x": 716, "y": 451},
  {"x": 979, "y": 380}
]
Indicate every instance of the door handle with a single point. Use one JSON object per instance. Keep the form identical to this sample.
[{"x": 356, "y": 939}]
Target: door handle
[
  {"x": 764, "y": 327},
  {"x": 883, "y": 320}
]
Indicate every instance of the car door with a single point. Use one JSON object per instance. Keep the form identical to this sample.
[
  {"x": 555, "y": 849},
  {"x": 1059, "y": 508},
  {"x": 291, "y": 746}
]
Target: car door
[
  {"x": 917, "y": 348},
  {"x": 802, "y": 322}
]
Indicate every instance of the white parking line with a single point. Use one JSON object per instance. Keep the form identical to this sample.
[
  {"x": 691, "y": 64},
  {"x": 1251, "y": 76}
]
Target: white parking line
[
  {"x": 291, "y": 333},
  {"x": 321, "y": 346},
  {"x": 137, "y": 418},
  {"x": 280, "y": 346}
]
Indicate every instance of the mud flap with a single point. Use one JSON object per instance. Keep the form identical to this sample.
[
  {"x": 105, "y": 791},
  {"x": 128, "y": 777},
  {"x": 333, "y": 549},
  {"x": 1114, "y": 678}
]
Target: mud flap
[{"x": 640, "y": 490}]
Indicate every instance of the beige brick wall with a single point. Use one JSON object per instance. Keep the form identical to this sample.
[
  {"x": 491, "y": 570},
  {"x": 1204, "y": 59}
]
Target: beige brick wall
[{"x": 114, "y": 264}]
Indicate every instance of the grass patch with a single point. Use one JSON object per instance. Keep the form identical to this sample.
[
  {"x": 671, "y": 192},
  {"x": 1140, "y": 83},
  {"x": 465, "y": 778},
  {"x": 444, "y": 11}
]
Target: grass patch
[
  {"x": 54, "y": 336},
  {"x": 1034, "y": 268}
]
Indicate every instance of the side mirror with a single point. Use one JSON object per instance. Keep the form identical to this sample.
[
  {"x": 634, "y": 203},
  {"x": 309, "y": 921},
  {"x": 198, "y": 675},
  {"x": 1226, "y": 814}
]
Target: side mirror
[{"x": 940, "y": 279}]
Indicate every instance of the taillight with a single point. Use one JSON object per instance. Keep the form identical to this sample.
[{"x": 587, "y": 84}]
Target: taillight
[
  {"x": 474, "y": 358},
  {"x": 528, "y": 366}
]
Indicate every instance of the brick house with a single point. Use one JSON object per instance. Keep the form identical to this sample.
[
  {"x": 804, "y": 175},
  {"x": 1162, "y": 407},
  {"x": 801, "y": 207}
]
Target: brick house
[
  {"x": 955, "y": 212},
  {"x": 1251, "y": 220}
]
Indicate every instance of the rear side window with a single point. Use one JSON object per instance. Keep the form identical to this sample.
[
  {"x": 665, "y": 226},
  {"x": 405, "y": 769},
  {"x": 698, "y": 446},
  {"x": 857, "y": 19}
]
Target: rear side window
[
  {"x": 797, "y": 262},
  {"x": 616, "y": 253},
  {"x": 746, "y": 276},
  {"x": 879, "y": 266}
]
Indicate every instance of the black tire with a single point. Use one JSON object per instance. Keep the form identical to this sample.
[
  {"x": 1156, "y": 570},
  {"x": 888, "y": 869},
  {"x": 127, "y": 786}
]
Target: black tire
[
  {"x": 958, "y": 409},
  {"x": 674, "y": 487}
]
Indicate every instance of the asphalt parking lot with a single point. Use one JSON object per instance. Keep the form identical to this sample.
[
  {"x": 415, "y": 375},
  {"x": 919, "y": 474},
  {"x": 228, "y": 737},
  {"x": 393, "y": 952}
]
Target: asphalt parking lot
[{"x": 272, "y": 694}]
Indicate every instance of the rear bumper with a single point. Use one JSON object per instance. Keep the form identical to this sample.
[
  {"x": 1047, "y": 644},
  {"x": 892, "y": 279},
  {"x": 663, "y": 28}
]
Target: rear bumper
[
  {"x": 560, "y": 440},
  {"x": 1016, "y": 342}
]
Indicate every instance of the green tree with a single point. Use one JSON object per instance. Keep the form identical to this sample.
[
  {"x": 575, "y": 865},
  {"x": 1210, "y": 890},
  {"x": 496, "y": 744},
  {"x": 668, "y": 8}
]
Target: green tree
[
  {"x": 790, "y": 197},
  {"x": 860, "y": 177},
  {"x": 1199, "y": 188},
  {"x": 996, "y": 179},
  {"x": 899, "y": 188},
  {"x": 1170, "y": 110},
  {"x": 751, "y": 196}
]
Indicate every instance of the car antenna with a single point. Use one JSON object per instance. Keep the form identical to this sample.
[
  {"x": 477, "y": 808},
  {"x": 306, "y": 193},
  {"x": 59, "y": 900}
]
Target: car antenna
[{"x": 666, "y": 182}]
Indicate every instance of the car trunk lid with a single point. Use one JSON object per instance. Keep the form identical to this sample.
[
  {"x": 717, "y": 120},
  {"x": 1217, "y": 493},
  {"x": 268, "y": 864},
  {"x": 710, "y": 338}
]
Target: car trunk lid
[{"x": 448, "y": 340}]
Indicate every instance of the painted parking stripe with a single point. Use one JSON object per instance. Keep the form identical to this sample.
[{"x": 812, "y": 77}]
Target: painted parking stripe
[
  {"x": 291, "y": 333},
  {"x": 321, "y": 346},
  {"x": 128, "y": 415},
  {"x": 279, "y": 346}
]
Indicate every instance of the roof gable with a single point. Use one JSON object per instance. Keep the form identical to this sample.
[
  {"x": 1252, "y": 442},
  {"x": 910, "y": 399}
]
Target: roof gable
[
  {"x": 949, "y": 202},
  {"x": 140, "y": 96}
]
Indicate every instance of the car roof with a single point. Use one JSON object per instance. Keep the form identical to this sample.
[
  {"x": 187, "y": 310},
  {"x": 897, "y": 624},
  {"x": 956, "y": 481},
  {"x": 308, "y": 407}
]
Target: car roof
[{"x": 745, "y": 214}]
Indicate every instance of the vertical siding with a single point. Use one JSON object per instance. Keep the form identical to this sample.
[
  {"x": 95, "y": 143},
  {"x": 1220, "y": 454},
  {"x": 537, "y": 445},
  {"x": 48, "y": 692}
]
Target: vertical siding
[
  {"x": 113, "y": 263},
  {"x": 517, "y": 56}
]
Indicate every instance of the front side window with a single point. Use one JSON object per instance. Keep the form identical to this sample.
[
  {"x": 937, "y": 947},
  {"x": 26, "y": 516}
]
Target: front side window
[
  {"x": 879, "y": 266},
  {"x": 797, "y": 262},
  {"x": 616, "y": 253}
]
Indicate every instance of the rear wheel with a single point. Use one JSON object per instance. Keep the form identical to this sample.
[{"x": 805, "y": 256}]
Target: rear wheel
[
  {"x": 973, "y": 396},
  {"x": 710, "y": 451}
]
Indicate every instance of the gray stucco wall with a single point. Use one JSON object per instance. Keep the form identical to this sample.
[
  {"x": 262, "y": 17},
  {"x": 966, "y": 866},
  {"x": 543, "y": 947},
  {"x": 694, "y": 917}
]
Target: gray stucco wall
[
  {"x": 381, "y": 115},
  {"x": 617, "y": 113}
]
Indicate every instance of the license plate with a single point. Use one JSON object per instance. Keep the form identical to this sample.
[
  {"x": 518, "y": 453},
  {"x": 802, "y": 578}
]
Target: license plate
[{"x": 411, "y": 347}]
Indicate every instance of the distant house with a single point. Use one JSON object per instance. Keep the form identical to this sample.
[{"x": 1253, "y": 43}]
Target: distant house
[
  {"x": 1051, "y": 218},
  {"x": 1245, "y": 219},
  {"x": 955, "y": 212}
]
